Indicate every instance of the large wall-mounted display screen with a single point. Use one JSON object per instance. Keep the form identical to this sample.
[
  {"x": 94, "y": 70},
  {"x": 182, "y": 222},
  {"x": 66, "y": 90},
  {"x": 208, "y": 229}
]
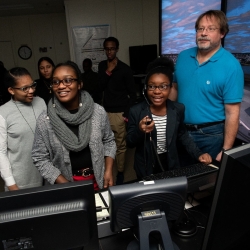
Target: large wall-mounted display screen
[
  {"x": 177, "y": 23},
  {"x": 237, "y": 40},
  {"x": 238, "y": 14}
]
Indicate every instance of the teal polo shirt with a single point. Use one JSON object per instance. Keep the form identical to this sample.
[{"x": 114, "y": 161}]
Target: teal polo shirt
[{"x": 205, "y": 88}]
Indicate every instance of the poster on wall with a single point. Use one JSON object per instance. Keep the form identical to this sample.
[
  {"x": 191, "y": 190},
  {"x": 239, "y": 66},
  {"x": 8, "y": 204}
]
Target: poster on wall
[{"x": 88, "y": 43}]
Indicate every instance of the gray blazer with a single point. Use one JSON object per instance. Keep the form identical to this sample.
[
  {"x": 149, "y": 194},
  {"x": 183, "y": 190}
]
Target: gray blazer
[{"x": 52, "y": 158}]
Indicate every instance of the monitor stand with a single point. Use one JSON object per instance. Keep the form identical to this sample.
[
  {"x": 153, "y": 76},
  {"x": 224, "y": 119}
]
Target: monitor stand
[{"x": 150, "y": 222}]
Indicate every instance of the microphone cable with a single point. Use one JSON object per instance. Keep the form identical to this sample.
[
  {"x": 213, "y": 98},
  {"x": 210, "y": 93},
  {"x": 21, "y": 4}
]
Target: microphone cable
[{"x": 152, "y": 143}]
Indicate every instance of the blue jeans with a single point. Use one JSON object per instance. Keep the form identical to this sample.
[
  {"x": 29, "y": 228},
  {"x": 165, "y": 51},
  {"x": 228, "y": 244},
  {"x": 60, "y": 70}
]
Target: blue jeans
[{"x": 209, "y": 140}]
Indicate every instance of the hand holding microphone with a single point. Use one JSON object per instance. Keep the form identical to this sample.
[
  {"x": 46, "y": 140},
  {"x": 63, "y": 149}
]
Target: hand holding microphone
[{"x": 146, "y": 125}]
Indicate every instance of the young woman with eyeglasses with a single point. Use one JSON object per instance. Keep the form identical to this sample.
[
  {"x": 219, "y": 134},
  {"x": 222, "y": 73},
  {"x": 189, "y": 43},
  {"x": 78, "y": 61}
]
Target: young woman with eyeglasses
[
  {"x": 45, "y": 67},
  {"x": 17, "y": 128},
  {"x": 155, "y": 125},
  {"x": 73, "y": 140}
]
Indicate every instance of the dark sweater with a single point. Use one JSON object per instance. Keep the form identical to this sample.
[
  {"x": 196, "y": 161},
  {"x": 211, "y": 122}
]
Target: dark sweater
[
  {"x": 119, "y": 88},
  {"x": 43, "y": 90}
]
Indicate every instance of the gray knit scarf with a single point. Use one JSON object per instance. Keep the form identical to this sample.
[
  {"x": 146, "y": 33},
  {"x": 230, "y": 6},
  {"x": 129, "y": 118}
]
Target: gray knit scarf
[{"x": 59, "y": 116}]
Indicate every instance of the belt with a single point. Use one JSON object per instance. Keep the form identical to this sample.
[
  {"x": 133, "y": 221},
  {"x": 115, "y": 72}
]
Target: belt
[
  {"x": 192, "y": 127},
  {"x": 83, "y": 172}
]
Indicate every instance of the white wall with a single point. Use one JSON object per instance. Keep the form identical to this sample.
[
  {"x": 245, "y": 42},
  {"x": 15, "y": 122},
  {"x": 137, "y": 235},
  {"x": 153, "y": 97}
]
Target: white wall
[
  {"x": 133, "y": 22},
  {"x": 36, "y": 31}
]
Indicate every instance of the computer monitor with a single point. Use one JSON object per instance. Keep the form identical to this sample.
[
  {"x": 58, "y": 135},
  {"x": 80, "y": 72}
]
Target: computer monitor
[
  {"x": 228, "y": 226},
  {"x": 148, "y": 206},
  {"x": 244, "y": 126},
  {"x": 140, "y": 56},
  {"x": 61, "y": 216}
]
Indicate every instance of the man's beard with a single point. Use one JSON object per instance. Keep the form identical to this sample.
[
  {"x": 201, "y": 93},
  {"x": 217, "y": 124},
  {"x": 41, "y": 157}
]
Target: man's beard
[
  {"x": 203, "y": 46},
  {"x": 206, "y": 47}
]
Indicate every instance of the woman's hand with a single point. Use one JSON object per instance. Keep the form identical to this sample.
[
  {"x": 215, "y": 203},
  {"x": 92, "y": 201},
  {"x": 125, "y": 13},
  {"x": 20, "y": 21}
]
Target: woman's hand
[
  {"x": 13, "y": 187},
  {"x": 61, "y": 179},
  {"x": 108, "y": 174},
  {"x": 146, "y": 125},
  {"x": 108, "y": 179},
  {"x": 205, "y": 158}
]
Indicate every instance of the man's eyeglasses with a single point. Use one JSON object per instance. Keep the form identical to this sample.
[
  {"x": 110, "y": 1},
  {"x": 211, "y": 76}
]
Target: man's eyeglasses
[
  {"x": 66, "y": 82},
  {"x": 209, "y": 29},
  {"x": 27, "y": 88},
  {"x": 161, "y": 87},
  {"x": 110, "y": 49}
]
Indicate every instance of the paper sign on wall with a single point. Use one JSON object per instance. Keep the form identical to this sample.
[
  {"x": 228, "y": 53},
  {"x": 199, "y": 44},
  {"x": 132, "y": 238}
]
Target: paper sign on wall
[{"x": 88, "y": 43}]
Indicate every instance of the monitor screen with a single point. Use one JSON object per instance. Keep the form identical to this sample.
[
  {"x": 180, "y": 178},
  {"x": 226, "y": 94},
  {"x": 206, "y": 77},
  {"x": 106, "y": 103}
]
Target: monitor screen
[
  {"x": 237, "y": 40},
  {"x": 229, "y": 218},
  {"x": 154, "y": 202},
  {"x": 244, "y": 126},
  {"x": 177, "y": 21},
  {"x": 61, "y": 216},
  {"x": 238, "y": 15},
  {"x": 140, "y": 56}
]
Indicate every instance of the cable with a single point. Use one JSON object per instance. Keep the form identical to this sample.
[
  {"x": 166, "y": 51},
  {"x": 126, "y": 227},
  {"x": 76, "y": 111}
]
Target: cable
[
  {"x": 198, "y": 212},
  {"x": 100, "y": 208},
  {"x": 155, "y": 151},
  {"x": 192, "y": 199},
  {"x": 153, "y": 147}
]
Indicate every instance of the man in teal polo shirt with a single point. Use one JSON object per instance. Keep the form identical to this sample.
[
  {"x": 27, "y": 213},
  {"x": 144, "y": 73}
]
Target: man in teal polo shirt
[{"x": 210, "y": 84}]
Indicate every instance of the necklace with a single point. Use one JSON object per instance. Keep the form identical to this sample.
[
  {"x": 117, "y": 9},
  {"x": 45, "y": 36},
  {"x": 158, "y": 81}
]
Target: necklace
[
  {"x": 24, "y": 117},
  {"x": 48, "y": 87}
]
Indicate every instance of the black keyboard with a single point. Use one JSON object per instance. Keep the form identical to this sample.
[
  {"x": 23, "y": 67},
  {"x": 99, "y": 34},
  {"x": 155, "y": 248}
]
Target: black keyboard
[{"x": 192, "y": 171}]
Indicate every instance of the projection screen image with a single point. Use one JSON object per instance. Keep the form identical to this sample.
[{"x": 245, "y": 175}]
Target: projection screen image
[
  {"x": 178, "y": 19},
  {"x": 238, "y": 14}
]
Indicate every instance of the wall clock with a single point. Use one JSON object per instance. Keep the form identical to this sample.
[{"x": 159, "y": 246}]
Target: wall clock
[{"x": 25, "y": 52}]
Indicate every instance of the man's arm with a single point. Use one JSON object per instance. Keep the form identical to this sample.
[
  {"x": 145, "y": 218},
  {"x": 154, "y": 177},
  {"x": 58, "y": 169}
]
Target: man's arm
[
  {"x": 174, "y": 92},
  {"x": 232, "y": 112}
]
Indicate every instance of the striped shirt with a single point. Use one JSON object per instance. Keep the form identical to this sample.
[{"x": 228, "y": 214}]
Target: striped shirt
[{"x": 161, "y": 125}]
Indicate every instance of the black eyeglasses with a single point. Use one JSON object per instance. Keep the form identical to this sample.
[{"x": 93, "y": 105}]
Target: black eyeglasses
[
  {"x": 27, "y": 88},
  {"x": 66, "y": 82},
  {"x": 110, "y": 49},
  {"x": 208, "y": 29},
  {"x": 161, "y": 87}
]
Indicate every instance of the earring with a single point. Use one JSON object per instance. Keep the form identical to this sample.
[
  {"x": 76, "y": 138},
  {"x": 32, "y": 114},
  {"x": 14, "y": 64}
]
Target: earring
[
  {"x": 53, "y": 103},
  {"x": 79, "y": 96}
]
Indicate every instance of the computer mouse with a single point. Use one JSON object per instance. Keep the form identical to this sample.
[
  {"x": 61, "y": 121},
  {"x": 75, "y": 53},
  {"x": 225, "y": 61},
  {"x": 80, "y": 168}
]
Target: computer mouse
[{"x": 185, "y": 228}]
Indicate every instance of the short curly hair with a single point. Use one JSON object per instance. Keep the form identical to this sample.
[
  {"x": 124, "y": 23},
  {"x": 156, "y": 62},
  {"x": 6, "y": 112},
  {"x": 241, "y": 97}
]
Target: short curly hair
[
  {"x": 111, "y": 39},
  {"x": 162, "y": 65}
]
